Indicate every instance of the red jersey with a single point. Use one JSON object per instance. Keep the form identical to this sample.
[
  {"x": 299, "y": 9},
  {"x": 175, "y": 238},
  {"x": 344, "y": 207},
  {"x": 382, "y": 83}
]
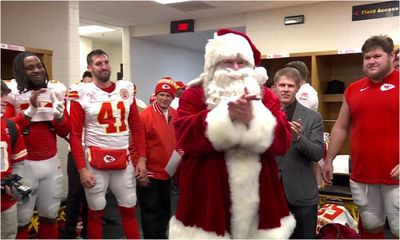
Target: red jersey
[
  {"x": 374, "y": 112},
  {"x": 10, "y": 155},
  {"x": 160, "y": 139}
]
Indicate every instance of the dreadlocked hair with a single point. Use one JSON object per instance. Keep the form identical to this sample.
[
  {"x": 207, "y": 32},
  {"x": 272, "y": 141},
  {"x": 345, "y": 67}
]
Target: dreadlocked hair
[{"x": 18, "y": 71}]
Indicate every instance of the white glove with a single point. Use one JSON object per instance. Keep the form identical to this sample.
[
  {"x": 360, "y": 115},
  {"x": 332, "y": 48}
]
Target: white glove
[
  {"x": 58, "y": 109},
  {"x": 30, "y": 111},
  {"x": 58, "y": 106}
]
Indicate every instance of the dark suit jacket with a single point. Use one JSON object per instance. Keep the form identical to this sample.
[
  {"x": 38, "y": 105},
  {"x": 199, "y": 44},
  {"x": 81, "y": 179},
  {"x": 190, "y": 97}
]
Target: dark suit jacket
[{"x": 296, "y": 167}]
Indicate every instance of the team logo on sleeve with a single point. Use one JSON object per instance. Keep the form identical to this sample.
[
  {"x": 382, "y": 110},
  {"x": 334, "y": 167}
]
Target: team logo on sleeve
[
  {"x": 124, "y": 94},
  {"x": 73, "y": 95}
]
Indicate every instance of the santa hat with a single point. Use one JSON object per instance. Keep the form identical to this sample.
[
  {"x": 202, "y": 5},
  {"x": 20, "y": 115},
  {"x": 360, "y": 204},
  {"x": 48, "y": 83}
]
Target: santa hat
[
  {"x": 167, "y": 85},
  {"x": 180, "y": 85},
  {"x": 228, "y": 44}
]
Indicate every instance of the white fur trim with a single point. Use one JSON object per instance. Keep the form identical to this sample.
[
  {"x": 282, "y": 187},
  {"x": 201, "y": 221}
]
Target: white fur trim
[
  {"x": 221, "y": 131},
  {"x": 196, "y": 82},
  {"x": 227, "y": 46},
  {"x": 260, "y": 134},
  {"x": 261, "y": 75},
  {"x": 179, "y": 231},
  {"x": 286, "y": 229},
  {"x": 243, "y": 169}
]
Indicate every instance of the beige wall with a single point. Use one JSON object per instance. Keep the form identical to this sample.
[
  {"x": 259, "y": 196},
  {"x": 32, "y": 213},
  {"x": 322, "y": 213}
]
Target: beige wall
[
  {"x": 86, "y": 45},
  {"x": 48, "y": 25},
  {"x": 328, "y": 26}
]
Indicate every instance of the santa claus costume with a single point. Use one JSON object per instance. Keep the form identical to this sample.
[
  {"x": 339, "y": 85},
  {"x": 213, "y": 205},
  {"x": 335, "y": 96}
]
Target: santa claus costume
[{"x": 228, "y": 175}]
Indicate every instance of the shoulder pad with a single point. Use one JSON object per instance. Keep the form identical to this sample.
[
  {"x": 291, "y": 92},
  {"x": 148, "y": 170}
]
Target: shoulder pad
[{"x": 75, "y": 90}]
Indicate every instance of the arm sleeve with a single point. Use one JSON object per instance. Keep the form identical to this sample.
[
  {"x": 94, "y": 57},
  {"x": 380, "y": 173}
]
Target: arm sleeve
[
  {"x": 190, "y": 126},
  {"x": 20, "y": 120},
  {"x": 10, "y": 111},
  {"x": 77, "y": 119},
  {"x": 136, "y": 127},
  {"x": 282, "y": 135},
  {"x": 312, "y": 146}
]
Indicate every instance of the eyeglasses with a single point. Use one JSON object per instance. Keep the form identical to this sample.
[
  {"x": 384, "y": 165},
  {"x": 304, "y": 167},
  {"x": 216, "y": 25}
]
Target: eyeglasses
[{"x": 232, "y": 63}]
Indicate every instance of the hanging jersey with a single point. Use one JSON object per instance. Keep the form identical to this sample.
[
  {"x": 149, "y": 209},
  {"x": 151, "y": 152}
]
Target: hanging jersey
[
  {"x": 333, "y": 213},
  {"x": 308, "y": 96},
  {"x": 106, "y": 114},
  {"x": 20, "y": 101},
  {"x": 374, "y": 112}
]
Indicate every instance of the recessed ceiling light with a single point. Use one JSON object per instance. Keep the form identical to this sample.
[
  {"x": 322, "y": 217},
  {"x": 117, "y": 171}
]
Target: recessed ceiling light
[
  {"x": 93, "y": 29},
  {"x": 170, "y": 1}
]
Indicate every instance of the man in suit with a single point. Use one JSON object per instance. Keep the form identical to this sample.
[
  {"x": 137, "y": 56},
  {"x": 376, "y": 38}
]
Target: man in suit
[{"x": 296, "y": 167}]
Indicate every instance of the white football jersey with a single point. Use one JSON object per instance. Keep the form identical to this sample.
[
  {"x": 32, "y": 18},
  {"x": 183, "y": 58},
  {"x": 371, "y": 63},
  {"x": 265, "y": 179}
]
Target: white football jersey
[
  {"x": 333, "y": 213},
  {"x": 44, "y": 112},
  {"x": 106, "y": 114}
]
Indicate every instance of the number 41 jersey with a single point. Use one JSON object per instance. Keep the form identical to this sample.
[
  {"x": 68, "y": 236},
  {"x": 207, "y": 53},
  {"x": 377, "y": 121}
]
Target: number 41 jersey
[{"x": 106, "y": 114}]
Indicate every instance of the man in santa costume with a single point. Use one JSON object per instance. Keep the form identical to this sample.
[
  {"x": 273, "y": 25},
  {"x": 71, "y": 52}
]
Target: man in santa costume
[{"x": 230, "y": 129}]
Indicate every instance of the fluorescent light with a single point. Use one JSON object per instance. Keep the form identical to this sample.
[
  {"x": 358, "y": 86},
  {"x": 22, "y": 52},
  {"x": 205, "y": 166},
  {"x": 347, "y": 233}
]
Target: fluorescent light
[
  {"x": 170, "y": 1},
  {"x": 290, "y": 21},
  {"x": 94, "y": 29}
]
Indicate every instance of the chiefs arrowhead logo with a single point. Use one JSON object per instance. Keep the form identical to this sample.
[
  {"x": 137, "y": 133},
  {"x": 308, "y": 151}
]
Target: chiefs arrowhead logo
[
  {"x": 108, "y": 159},
  {"x": 166, "y": 86},
  {"x": 387, "y": 86}
]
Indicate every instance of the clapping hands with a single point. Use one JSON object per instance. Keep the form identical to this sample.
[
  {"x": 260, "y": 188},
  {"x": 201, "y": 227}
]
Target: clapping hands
[{"x": 241, "y": 110}]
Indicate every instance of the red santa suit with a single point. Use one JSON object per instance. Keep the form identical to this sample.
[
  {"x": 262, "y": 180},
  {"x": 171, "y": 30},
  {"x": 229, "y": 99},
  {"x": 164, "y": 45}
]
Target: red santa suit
[{"x": 228, "y": 174}]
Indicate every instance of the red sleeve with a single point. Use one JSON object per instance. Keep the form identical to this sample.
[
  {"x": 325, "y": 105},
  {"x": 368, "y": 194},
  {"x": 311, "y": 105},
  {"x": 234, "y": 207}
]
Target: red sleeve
[
  {"x": 77, "y": 119},
  {"x": 19, "y": 119},
  {"x": 62, "y": 127},
  {"x": 19, "y": 151},
  {"x": 137, "y": 144},
  {"x": 190, "y": 125},
  {"x": 10, "y": 111},
  {"x": 282, "y": 135}
]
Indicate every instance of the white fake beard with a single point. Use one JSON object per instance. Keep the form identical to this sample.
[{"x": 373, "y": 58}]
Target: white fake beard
[{"x": 229, "y": 84}]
